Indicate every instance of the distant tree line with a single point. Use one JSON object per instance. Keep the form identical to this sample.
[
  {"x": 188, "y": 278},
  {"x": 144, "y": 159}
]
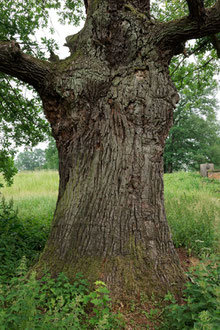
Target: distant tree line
[{"x": 37, "y": 159}]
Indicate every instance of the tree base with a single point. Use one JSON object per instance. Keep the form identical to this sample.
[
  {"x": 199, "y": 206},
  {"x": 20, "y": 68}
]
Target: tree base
[{"x": 126, "y": 276}]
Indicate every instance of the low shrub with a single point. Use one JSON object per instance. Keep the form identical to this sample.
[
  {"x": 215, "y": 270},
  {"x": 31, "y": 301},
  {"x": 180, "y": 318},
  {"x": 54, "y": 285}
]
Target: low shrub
[
  {"x": 55, "y": 304},
  {"x": 201, "y": 307}
]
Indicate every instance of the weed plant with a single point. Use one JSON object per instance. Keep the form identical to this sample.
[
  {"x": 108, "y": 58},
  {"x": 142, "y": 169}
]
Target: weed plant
[
  {"x": 55, "y": 304},
  {"x": 201, "y": 306}
]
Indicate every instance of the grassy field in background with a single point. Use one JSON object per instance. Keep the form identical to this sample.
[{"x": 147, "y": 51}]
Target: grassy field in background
[
  {"x": 34, "y": 193},
  {"x": 193, "y": 210},
  {"x": 192, "y": 205}
]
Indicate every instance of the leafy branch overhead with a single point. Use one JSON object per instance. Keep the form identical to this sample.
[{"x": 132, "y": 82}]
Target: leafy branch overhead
[{"x": 197, "y": 11}]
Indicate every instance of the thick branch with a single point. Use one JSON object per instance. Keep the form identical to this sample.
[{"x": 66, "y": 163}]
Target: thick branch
[
  {"x": 86, "y": 5},
  {"x": 142, "y": 5},
  {"x": 176, "y": 32},
  {"x": 196, "y": 10},
  {"x": 23, "y": 66},
  {"x": 216, "y": 43}
]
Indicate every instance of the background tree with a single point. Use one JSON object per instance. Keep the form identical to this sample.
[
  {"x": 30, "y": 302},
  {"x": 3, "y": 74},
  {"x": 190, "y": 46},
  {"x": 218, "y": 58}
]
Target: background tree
[
  {"x": 30, "y": 160},
  {"x": 51, "y": 155},
  {"x": 7, "y": 167},
  {"x": 110, "y": 107},
  {"x": 196, "y": 130}
]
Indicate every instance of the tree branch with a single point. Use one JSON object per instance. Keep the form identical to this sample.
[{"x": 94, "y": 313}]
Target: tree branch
[
  {"x": 86, "y": 5},
  {"x": 196, "y": 10},
  {"x": 173, "y": 33},
  {"x": 216, "y": 43},
  {"x": 23, "y": 66},
  {"x": 142, "y": 5}
]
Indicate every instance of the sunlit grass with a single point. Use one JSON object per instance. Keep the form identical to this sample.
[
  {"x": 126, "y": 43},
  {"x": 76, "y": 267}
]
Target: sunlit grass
[
  {"x": 34, "y": 193},
  {"x": 193, "y": 211}
]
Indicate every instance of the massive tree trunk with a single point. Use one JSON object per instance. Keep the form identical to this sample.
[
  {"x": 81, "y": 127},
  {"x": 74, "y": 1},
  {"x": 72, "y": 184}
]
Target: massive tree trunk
[
  {"x": 110, "y": 221},
  {"x": 110, "y": 108}
]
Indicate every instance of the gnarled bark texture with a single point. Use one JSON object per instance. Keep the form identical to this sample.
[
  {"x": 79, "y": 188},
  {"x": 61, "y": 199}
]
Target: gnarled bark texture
[{"x": 110, "y": 108}]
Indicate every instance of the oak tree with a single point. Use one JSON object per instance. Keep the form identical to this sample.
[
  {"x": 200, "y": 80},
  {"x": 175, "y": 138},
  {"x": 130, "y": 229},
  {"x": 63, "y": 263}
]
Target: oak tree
[{"x": 110, "y": 106}]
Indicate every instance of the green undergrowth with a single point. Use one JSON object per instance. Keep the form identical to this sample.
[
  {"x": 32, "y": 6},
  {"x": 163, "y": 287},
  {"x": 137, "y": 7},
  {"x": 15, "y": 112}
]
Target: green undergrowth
[
  {"x": 193, "y": 211},
  {"x": 200, "y": 308},
  {"x": 18, "y": 238},
  {"x": 27, "y": 303}
]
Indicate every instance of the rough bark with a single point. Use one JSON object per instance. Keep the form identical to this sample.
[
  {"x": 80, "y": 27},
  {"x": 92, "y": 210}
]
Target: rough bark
[
  {"x": 196, "y": 10},
  {"x": 23, "y": 66},
  {"x": 216, "y": 43},
  {"x": 110, "y": 108}
]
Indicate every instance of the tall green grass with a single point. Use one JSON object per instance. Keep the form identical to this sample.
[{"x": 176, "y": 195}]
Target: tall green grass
[
  {"x": 34, "y": 194},
  {"x": 193, "y": 211}
]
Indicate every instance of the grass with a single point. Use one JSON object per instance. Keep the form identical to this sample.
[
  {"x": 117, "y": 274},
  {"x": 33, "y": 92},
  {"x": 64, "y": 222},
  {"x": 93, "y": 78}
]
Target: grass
[
  {"x": 193, "y": 211},
  {"x": 34, "y": 194}
]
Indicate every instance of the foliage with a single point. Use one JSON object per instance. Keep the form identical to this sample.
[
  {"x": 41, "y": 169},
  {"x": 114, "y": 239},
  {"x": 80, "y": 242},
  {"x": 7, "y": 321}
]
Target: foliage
[
  {"x": 195, "y": 135},
  {"x": 7, "y": 167},
  {"x": 55, "y": 303},
  {"x": 18, "y": 238},
  {"x": 193, "y": 211},
  {"x": 172, "y": 9},
  {"x": 51, "y": 155},
  {"x": 30, "y": 160},
  {"x": 201, "y": 306},
  {"x": 21, "y": 116}
]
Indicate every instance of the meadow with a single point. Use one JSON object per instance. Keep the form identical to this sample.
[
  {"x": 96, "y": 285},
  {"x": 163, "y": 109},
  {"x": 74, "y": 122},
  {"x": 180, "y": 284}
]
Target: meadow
[{"x": 193, "y": 212}]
